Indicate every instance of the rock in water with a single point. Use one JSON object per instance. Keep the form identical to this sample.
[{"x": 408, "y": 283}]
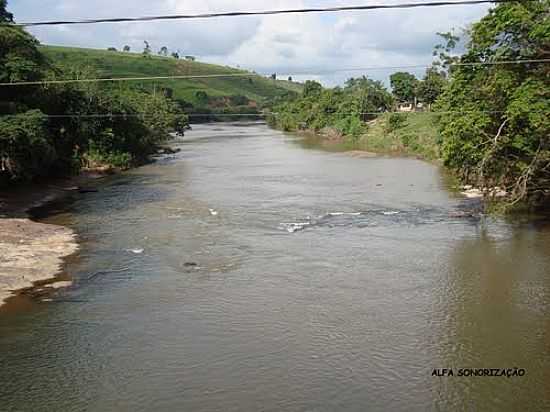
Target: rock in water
[
  {"x": 473, "y": 193},
  {"x": 84, "y": 190}
]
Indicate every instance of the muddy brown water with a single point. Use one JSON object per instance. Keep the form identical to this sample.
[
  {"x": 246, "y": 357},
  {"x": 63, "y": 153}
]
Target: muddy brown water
[{"x": 316, "y": 282}]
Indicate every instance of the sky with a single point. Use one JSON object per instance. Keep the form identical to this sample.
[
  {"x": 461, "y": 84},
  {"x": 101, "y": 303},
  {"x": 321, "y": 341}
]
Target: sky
[{"x": 297, "y": 45}]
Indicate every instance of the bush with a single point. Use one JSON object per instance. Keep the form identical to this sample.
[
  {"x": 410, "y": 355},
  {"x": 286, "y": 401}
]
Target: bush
[
  {"x": 396, "y": 121},
  {"x": 351, "y": 126},
  {"x": 25, "y": 150}
]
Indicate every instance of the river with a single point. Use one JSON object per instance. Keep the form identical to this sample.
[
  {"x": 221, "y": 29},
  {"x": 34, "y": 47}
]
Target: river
[{"x": 251, "y": 273}]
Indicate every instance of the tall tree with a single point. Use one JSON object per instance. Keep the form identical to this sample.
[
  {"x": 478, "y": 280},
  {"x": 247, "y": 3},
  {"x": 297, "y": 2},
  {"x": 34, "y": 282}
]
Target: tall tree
[
  {"x": 431, "y": 86},
  {"x": 494, "y": 120},
  {"x": 312, "y": 88},
  {"x": 5, "y": 16},
  {"x": 147, "y": 48},
  {"x": 404, "y": 85}
]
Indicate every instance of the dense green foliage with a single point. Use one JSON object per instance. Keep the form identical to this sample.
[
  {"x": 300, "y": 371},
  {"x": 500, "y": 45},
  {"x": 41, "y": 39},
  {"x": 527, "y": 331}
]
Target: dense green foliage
[
  {"x": 495, "y": 120},
  {"x": 404, "y": 86},
  {"x": 345, "y": 110},
  {"x": 54, "y": 129},
  {"x": 488, "y": 123},
  {"x": 430, "y": 88},
  {"x": 5, "y": 16}
]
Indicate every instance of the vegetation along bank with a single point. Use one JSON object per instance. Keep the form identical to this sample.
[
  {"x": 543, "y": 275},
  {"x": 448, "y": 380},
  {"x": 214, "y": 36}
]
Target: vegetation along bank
[
  {"x": 488, "y": 123},
  {"x": 57, "y": 129}
]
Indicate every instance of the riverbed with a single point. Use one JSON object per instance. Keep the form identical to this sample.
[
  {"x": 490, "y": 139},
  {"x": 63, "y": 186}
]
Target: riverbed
[{"x": 251, "y": 272}]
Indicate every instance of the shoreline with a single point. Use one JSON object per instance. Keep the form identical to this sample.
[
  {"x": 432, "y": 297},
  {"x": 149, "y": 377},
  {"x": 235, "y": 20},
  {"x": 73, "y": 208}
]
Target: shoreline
[{"x": 32, "y": 254}]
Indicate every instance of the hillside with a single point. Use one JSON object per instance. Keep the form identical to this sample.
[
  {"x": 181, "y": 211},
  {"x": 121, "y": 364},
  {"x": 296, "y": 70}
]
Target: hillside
[{"x": 121, "y": 64}]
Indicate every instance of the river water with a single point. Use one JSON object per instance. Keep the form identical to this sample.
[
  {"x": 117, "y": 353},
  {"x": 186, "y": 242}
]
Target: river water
[{"x": 251, "y": 273}]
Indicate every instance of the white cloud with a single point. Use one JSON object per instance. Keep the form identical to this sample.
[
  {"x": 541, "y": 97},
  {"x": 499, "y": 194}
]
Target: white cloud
[{"x": 286, "y": 44}]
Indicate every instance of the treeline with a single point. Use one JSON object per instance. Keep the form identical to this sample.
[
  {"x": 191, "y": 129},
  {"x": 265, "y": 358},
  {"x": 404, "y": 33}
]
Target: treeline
[
  {"x": 345, "y": 109},
  {"x": 148, "y": 51},
  {"x": 491, "y": 120},
  {"x": 57, "y": 129}
]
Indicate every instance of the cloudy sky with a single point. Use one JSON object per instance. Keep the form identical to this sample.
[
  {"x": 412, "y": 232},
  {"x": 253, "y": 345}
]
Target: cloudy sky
[{"x": 284, "y": 44}]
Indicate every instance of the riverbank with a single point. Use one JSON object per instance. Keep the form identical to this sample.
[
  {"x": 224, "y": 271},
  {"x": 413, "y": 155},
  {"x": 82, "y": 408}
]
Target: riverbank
[
  {"x": 32, "y": 253},
  {"x": 416, "y": 137},
  {"x": 410, "y": 136}
]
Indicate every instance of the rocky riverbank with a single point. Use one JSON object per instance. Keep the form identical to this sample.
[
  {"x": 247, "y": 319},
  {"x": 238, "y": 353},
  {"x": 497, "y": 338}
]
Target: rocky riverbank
[{"x": 31, "y": 252}]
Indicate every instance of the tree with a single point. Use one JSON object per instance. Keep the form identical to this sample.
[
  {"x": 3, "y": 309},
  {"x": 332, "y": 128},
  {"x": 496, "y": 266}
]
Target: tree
[
  {"x": 343, "y": 110},
  {"x": 112, "y": 49},
  {"x": 201, "y": 97},
  {"x": 494, "y": 121},
  {"x": 289, "y": 78},
  {"x": 431, "y": 86},
  {"x": 147, "y": 49},
  {"x": 5, "y": 16},
  {"x": 163, "y": 51},
  {"x": 126, "y": 48},
  {"x": 20, "y": 58},
  {"x": 239, "y": 100},
  {"x": 442, "y": 52},
  {"x": 175, "y": 55},
  {"x": 34, "y": 144},
  {"x": 274, "y": 76},
  {"x": 367, "y": 96},
  {"x": 312, "y": 88},
  {"x": 404, "y": 85}
]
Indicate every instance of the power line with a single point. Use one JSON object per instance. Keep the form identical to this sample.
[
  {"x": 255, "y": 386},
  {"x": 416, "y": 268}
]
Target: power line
[
  {"x": 250, "y": 75},
  {"x": 121, "y": 79},
  {"x": 263, "y": 13}
]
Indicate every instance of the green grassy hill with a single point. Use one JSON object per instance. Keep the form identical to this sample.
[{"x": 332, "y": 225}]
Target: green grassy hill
[{"x": 120, "y": 64}]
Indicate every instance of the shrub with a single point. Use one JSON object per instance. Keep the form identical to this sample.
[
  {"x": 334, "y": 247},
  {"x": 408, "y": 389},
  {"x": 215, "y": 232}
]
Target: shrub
[{"x": 396, "y": 121}]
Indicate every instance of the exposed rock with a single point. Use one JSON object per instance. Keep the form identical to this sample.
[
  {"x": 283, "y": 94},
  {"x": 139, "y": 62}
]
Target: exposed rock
[
  {"x": 60, "y": 284},
  {"x": 167, "y": 151},
  {"x": 473, "y": 193},
  {"x": 495, "y": 192},
  {"x": 84, "y": 190},
  {"x": 462, "y": 214},
  {"x": 361, "y": 154},
  {"x": 31, "y": 252}
]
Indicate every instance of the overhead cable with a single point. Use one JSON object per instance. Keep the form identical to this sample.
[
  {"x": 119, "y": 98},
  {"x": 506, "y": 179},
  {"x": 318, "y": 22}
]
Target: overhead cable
[
  {"x": 263, "y": 13},
  {"x": 252, "y": 75}
]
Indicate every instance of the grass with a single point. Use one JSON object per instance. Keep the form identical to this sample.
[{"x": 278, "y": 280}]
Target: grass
[
  {"x": 122, "y": 64},
  {"x": 417, "y": 134}
]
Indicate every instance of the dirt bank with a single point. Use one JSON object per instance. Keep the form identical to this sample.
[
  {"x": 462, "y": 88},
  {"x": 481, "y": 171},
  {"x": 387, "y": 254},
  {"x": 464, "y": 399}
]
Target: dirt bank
[{"x": 31, "y": 252}]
